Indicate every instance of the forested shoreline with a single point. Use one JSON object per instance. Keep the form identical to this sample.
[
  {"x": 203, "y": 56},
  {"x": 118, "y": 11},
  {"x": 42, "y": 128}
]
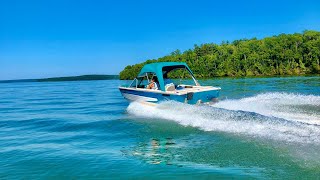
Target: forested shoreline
[{"x": 284, "y": 54}]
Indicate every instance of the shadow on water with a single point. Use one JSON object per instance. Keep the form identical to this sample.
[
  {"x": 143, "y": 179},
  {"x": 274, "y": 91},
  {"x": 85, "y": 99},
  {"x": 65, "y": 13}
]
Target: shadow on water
[{"x": 157, "y": 151}]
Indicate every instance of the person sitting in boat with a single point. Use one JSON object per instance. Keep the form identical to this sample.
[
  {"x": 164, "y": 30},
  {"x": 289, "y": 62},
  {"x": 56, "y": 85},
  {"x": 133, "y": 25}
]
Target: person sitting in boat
[{"x": 153, "y": 84}]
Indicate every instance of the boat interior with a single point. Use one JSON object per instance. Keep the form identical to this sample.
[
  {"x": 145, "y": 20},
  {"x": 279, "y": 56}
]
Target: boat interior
[{"x": 173, "y": 86}]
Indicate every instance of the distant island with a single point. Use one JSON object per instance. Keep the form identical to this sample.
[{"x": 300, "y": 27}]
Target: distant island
[
  {"x": 285, "y": 54},
  {"x": 69, "y": 78},
  {"x": 80, "y": 78}
]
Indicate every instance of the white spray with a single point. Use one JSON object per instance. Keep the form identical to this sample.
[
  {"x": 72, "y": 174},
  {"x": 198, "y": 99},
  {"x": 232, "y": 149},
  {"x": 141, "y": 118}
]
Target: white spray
[{"x": 277, "y": 116}]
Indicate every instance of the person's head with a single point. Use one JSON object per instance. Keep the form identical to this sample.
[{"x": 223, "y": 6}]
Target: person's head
[{"x": 154, "y": 79}]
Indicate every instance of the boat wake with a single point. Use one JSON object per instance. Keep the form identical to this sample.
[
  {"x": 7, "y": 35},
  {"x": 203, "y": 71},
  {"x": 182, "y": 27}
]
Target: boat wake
[
  {"x": 277, "y": 116},
  {"x": 295, "y": 107}
]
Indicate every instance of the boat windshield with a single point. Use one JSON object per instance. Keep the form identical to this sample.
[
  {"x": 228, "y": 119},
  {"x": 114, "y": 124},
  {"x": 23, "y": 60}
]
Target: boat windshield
[
  {"x": 142, "y": 81},
  {"x": 179, "y": 76}
]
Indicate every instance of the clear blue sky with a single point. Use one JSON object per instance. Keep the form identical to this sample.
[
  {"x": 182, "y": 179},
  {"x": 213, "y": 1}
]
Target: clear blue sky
[{"x": 45, "y": 38}]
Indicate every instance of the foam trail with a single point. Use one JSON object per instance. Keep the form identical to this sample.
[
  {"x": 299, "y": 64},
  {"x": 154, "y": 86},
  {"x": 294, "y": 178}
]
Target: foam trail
[
  {"x": 238, "y": 121},
  {"x": 296, "y": 107}
]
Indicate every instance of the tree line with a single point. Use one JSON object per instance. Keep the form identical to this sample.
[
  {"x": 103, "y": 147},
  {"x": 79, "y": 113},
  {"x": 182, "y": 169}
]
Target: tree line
[{"x": 284, "y": 54}]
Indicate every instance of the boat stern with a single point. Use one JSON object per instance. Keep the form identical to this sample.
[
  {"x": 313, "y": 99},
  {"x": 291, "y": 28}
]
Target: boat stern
[{"x": 202, "y": 96}]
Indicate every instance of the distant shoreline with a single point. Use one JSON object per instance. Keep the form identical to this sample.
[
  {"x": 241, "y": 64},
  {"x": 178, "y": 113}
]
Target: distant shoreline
[
  {"x": 67, "y": 78},
  {"x": 116, "y": 77},
  {"x": 244, "y": 77}
]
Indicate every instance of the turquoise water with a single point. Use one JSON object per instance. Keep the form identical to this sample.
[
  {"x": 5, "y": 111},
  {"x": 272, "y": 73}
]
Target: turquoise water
[{"x": 260, "y": 128}]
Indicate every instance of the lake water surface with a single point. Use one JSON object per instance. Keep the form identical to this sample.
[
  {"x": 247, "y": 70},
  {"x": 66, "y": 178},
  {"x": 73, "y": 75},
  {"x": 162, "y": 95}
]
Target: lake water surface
[{"x": 260, "y": 128}]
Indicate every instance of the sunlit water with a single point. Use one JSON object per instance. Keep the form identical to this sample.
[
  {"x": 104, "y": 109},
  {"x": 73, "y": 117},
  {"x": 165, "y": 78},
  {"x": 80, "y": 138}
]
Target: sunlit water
[{"x": 260, "y": 128}]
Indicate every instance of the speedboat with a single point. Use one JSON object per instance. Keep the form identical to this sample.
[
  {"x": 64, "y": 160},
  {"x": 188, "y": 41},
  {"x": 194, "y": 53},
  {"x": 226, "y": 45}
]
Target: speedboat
[{"x": 168, "y": 87}]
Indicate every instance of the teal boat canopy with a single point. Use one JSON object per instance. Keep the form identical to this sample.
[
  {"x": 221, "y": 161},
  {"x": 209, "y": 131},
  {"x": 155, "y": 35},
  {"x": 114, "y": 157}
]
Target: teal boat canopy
[{"x": 162, "y": 68}]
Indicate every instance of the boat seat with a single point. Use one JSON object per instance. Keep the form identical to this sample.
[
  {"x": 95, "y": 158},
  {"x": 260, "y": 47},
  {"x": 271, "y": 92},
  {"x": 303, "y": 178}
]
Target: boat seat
[{"x": 170, "y": 87}]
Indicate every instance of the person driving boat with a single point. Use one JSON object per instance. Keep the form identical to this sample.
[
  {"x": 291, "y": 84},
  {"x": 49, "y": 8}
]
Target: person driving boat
[{"x": 153, "y": 84}]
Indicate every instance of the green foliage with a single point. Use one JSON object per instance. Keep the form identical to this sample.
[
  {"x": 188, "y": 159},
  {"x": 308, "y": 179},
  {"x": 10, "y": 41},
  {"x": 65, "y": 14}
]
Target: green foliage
[{"x": 285, "y": 54}]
